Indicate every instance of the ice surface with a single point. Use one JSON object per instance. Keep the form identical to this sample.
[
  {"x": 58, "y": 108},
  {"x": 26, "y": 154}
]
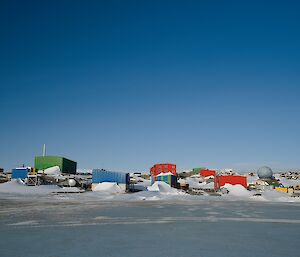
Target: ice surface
[{"x": 76, "y": 226}]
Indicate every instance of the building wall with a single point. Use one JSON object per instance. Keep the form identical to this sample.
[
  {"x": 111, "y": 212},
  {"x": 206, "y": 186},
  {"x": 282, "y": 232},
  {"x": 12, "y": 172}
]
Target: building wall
[
  {"x": 169, "y": 179},
  {"x": 100, "y": 176},
  {"x": 120, "y": 178},
  {"x": 45, "y": 162},
  {"x": 19, "y": 173},
  {"x": 232, "y": 179},
  {"x": 69, "y": 166},
  {"x": 197, "y": 170},
  {"x": 163, "y": 168},
  {"x": 207, "y": 173}
]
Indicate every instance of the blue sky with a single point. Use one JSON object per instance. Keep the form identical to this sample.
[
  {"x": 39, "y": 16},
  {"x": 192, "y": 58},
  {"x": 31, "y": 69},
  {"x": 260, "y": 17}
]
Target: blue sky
[{"x": 122, "y": 85}]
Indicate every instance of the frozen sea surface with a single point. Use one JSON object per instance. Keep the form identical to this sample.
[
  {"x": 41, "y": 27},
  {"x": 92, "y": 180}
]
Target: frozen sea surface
[{"x": 53, "y": 226}]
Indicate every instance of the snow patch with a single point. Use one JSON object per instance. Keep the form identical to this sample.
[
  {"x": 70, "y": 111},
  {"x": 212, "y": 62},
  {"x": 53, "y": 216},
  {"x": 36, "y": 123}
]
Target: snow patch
[
  {"x": 17, "y": 186},
  {"x": 107, "y": 187},
  {"x": 162, "y": 187},
  {"x": 237, "y": 190}
]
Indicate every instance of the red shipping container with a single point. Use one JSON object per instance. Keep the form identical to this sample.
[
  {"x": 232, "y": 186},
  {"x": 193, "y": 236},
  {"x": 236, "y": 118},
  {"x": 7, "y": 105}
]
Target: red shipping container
[
  {"x": 232, "y": 179},
  {"x": 207, "y": 173},
  {"x": 163, "y": 168}
]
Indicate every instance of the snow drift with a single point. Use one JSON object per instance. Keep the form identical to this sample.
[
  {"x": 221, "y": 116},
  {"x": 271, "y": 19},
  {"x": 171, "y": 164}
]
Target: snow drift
[
  {"x": 107, "y": 187},
  {"x": 237, "y": 190},
  {"x": 162, "y": 187},
  {"x": 17, "y": 186}
]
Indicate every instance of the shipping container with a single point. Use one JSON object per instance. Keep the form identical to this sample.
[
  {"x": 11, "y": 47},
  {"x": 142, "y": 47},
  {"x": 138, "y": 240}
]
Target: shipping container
[
  {"x": 230, "y": 179},
  {"x": 100, "y": 176},
  {"x": 282, "y": 189},
  {"x": 65, "y": 165},
  {"x": 163, "y": 168},
  {"x": 21, "y": 173},
  {"x": 207, "y": 173},
  {"x": 169, "y": 179}
]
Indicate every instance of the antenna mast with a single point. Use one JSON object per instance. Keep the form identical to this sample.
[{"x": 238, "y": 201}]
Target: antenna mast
[{"x": 44, "y": 150}]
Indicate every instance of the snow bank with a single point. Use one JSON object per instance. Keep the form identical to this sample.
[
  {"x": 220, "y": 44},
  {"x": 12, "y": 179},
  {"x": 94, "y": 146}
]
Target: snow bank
[
  {"x": 205, "y": 185},
  {"x": 165, "y": 174},
  {"x": 162, "y": 187},
  {"x": 69, "y": 190},
  {"x": 194, "y": 182},
  {"x": 237, "y": 190},
  {"x": 107, "y": 187},
  {"x": 252, "y": 179},
  {"x": 289, "y": 182},
  {"x": 17, "y": 186},
  {"x": 276, "y": 196},
  {"x": 182, "y": 181}
]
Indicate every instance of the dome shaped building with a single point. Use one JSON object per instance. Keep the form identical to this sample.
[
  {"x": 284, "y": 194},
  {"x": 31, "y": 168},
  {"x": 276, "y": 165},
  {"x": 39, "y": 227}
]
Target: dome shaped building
[{"x": 265, "y": 173}]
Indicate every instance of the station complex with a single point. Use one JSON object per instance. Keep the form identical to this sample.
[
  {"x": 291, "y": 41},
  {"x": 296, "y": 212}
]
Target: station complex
[{"x": 63, "y": 172}]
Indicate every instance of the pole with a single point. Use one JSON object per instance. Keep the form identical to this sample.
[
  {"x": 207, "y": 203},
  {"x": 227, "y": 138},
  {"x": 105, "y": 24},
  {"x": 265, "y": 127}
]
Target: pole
[{"x": 44, "y": 150}]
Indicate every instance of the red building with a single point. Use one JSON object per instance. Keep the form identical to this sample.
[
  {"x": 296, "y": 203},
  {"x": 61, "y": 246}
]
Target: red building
[
  {"x": 232, "y": 179},
  {"x": 163, "y": 168},
  {"x": 207, "y": 173}
]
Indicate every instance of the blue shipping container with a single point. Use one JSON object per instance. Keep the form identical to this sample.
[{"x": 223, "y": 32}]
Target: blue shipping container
[
  {"x": 19, "y": 173},
  {"x": 100, "y": 176},
  {"x": 169, "y": 179}
]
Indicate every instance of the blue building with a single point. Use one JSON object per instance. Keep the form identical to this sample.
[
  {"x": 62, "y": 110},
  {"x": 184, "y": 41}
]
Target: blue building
[
  {"x": 21, "y": 173},
  {"x": 120, "y": 178}
]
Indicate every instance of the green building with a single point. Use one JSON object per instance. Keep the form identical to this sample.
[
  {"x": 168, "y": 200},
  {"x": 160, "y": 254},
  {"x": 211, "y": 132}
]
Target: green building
[
  {"x": 65, "y": 165},
  {"x": 197, "y": 170}
]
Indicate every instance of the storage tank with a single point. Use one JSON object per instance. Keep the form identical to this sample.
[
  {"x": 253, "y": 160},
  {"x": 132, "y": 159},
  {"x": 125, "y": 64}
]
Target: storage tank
[{"x": 71, "y": 182}]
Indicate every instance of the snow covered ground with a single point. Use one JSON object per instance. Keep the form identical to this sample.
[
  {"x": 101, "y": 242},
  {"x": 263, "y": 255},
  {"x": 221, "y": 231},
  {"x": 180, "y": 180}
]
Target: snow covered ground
[
  {"x": 85, "y": 225},
  {"x": 158, "y": 191},
  {"x": 18, "y": 187}
]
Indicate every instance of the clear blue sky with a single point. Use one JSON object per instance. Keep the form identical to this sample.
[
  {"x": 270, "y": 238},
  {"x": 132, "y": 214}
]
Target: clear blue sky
[{"x": 122, "y": 85}]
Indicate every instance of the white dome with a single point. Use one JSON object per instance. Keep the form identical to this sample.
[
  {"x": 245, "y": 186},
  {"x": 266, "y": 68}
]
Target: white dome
[{"x": 265, "y": 172}]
